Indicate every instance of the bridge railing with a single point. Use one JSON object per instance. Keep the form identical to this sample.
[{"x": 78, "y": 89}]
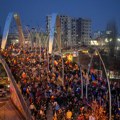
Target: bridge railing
[{"x": 16, "y": 95}]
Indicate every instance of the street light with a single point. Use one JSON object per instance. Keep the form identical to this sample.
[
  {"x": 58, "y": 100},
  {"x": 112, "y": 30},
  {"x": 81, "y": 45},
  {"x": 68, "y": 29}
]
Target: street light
[
  {"x": 62, "y": 68},
  {"x": 110, "y": 107},
  {"x": 81, "y": 77},
  {"x": 30, "y": 36}
]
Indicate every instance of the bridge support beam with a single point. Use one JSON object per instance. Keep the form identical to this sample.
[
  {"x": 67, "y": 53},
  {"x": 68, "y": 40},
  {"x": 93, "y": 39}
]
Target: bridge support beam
[{"x": 7, "y": 27}]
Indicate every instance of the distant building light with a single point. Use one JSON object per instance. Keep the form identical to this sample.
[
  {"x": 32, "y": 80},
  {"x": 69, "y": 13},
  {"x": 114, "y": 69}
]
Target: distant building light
[
  {"x": 85, "y": 51},
  {"x": 94, "y": 42},
  {"x": 108, "y": 32},
  {"x": 117, "y": 48},
  {"x": 96, "y": 53},
  {"x": 17, "y": 40},
  {"x": 110, "y": 39},
  {"x": 106, "y": 40}
]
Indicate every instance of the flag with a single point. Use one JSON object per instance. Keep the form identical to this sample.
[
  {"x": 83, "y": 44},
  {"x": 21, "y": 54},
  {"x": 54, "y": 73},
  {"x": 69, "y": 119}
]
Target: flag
[
  {"x": 55, "y": 63},
  {"x": 24, "y": 75},
  {"x": 94, "y": 81},
  {"x": 93, "y": 77}
]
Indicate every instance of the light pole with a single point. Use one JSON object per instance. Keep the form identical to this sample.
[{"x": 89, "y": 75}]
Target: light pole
[
  {"x": 81, "y": 77},
  {"x": 48, "y": 51},
  {"x": 110, "y": 107},
  {"x": 36, "y": 38},
  {"x": 40, "y": 47},
  {"x": 28, "y": 32},
  {"x": 88, "y": 75},
  {"x": 30, "y": 35},
  {"x": 60, "y": 51},
  {"x": 62, "y": 69}
]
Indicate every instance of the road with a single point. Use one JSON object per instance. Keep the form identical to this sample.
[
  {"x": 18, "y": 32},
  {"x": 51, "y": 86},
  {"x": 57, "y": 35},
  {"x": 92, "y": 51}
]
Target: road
[{"x": 8, "y": 111}]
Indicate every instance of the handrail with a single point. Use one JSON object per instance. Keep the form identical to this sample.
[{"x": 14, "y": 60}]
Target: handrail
[{"x": 12, "y": 79}]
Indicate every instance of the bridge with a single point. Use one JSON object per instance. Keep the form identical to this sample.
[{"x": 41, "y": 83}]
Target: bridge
[
  {"x": 16, "y": 106},
  {"x": 8, "y": 111}
]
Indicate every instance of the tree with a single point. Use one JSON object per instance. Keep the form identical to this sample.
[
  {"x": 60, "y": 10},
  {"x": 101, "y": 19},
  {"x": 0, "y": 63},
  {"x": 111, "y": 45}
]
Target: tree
[{"x": 111, "y": 33}]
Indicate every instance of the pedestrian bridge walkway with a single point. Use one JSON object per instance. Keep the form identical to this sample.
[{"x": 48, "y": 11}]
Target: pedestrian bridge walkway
[
  {"x": 16, "y": 102},
  {"x": 8, "y": 111}
]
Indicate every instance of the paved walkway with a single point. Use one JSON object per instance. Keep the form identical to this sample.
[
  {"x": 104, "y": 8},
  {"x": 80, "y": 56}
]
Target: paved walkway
[{"x": 9, "y": 112}]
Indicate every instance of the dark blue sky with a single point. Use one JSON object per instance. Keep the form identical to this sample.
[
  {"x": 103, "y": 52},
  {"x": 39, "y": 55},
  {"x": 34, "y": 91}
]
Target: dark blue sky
[{"x": 33, "y": 12}]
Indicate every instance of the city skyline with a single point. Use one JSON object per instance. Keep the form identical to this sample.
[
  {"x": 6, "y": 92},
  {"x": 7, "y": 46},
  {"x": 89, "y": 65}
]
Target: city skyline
[{"x": 34, "y": 13}]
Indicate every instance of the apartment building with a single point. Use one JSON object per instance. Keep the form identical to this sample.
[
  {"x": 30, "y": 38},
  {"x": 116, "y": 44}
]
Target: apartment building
[
  {"x": 84, "y": 30},
  {"x": 74, "y": 31}
]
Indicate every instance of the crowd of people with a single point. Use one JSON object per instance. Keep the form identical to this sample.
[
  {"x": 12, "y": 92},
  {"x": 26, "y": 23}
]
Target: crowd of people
[{"x": 42, "y": 85}]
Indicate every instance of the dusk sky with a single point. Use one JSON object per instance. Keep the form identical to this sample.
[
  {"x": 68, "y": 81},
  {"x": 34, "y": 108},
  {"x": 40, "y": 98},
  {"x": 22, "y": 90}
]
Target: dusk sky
[{"x": 33, "y": 12}]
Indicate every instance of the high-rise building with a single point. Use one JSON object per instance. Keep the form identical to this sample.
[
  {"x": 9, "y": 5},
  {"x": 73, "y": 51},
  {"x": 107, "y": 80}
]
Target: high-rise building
[
  {"x": 84, "y": 30},
  {"x": 73, "y": 30},
  {"x": 68, "y": 30}
]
